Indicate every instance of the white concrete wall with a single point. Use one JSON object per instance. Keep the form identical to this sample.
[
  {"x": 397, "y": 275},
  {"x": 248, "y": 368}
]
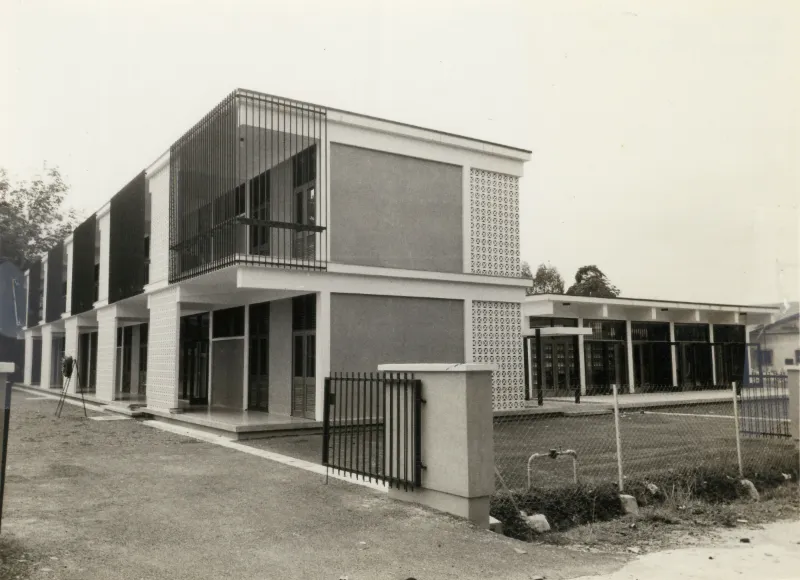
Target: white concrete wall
[
  {"x": 783, "y": 347},
  {"x": 68, "y": 255},
  {"x": 47, "y": 355},
  {"x": 104, "y": 224},
  {"x": 162, "y": 350},
  {"x": 158, "y": 183},
  {"x": 106, "y": 352}
]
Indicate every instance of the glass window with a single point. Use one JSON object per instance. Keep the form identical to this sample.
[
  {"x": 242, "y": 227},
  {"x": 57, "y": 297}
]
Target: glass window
[
  {"x": 311, "y": 361},
  {"x": 229, "y": 322}
]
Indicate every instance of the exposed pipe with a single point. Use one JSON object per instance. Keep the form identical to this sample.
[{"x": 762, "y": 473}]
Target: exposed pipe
[{"x": 555, "y": 454}]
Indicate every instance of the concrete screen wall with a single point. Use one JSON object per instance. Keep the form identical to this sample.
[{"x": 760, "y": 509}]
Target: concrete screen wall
[
  {"x": 394, "y": 211},
  {"x": 370, "y": 330}
]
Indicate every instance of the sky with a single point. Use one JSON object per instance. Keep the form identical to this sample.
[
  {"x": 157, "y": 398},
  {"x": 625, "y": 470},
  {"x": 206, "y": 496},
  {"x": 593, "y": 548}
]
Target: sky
[{"x": 665, "y": 135}]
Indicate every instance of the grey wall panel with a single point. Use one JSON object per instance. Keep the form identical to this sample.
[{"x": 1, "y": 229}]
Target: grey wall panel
[
  {"x": 55, "y": 284},
  {"x": 370, "y": 330},
  {"x": 83, "y": 248},
  {"x": 34, "y": 287},
  {"x": 227, "y": 373},
  {"x": 280, "y": 357},
  {"x": 126, "y": 241},
  {"x": 395, "y": 211}
]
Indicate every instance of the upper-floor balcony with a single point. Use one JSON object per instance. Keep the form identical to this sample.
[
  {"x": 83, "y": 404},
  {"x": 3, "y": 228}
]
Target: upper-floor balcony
[{"x": 248, "y": 185}]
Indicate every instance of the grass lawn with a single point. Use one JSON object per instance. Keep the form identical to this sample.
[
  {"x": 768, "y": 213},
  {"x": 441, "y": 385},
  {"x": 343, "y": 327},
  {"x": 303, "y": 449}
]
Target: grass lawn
[{"x": 652, "y": 442}]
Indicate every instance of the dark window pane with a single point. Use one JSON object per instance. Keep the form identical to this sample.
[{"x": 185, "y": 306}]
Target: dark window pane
[{"x": 311, "y": 360}]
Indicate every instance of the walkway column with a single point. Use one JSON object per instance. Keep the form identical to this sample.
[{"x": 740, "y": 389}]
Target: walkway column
[
  {"x": 323, "y": 344},
  {"x": 162, "y": 349},
  {"x": 673, "y": 353},
  {"x": 71, "y": 349},
  {"x": 456, "y": 434},
  {"x": 713, "y": 354},
  {"x": 28, "y": 369},
  {"x": 629, "y": 349},
  {"x": 106, "y": 353},
  {"x": 581, "y": 359},
  {"x": 47, "y": 356}
]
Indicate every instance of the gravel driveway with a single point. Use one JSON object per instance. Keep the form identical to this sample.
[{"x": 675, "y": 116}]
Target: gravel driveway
[{"x": 90, "y": 499}]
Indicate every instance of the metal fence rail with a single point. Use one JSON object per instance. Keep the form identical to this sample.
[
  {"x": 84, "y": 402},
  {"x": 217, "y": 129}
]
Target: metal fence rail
[{"x": 371, "y": 427}]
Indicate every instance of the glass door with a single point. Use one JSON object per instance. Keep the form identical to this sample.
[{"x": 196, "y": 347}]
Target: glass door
[
  {"x": 303, "y": 374},
  {"x": 193, "y": 368}
]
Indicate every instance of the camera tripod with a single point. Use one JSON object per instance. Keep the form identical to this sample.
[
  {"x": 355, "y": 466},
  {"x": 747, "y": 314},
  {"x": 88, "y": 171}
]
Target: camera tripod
[{"x": 68, "y": 365}]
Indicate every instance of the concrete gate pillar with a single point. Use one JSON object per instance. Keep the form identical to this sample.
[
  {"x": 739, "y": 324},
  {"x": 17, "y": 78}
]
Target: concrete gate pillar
[{"x": 456, "y": 434}]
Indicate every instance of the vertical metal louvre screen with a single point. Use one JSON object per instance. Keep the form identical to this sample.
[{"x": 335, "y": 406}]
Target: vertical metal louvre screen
[
  {"x": 372, "y": 428},
  {"x": 248, "y": 185}
]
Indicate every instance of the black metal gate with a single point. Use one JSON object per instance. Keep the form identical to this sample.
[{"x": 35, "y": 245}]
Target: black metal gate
[{"x": 371, "y": 427}]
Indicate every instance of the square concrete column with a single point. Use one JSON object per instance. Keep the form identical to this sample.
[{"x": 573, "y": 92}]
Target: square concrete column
[
  {"x": 629, "y": 356},
  {"x": 162, "y": 349},
  {"x": 47, "y": 356},
  {"x": 581, "y": 359},
  {"x": 27, "y": 374},
  {"x": 323, "y": 354},
  {"x": 456, "y": 438},
  {"x": 71, "y": 348},
  {"x": 106, "y": 353},
  {"x": 673, "y": 354},
  {"x": 793, "y": 383},
  {"x": 713, "y": 354}
]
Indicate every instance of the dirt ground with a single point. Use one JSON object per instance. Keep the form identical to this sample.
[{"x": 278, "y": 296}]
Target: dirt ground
[{"x": 119, "y": 499}]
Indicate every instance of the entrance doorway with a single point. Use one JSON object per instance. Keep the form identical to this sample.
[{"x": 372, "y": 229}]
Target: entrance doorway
[
  {"x": 304, "y": 324},
  {"x": 258, "y": 380},
  {"x": 193, "y": 365},
  {"x": 87, "y": 361},
  {"x": 56, "y": 378}
]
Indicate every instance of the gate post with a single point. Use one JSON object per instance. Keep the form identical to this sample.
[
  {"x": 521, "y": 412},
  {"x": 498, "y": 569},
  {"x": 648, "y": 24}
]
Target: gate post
[
  {"x": 793, "y": 385},
  {"x": 457, "y": 449}
]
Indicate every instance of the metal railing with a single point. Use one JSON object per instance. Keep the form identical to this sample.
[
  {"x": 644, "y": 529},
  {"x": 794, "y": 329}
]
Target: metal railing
[{"x": 371, "y": 427}]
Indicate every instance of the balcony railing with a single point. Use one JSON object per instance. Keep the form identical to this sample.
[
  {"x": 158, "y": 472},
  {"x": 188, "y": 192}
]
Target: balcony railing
[{"x": 248, "y": 186}]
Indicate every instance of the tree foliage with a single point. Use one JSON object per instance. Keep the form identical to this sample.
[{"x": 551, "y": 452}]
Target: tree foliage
[
  {"x": 590, "y": 281},
  {"x": 547, "y": 279},
  {"x": 33, "y": 218}
]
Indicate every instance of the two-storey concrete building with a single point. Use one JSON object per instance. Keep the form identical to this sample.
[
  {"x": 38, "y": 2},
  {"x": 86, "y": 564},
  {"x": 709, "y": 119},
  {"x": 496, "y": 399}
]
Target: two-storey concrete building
[{"x": 275, "y": 242}]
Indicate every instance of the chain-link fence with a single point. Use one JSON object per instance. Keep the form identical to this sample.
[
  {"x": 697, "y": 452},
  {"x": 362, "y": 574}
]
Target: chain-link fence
[{"x": 661, "y": 435}]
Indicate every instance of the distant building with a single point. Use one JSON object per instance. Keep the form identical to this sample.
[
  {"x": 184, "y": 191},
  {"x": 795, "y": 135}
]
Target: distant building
[
  {"x": 640, "y": 345},
  {"x": 780, "y": 340}
]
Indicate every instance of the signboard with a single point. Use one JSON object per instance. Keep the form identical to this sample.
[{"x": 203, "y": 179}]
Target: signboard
[{"x": 5, "y": 398}]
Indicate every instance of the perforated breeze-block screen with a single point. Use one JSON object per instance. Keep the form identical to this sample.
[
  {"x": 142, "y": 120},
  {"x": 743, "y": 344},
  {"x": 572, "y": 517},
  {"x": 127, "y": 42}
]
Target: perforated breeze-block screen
[
  {"x": 497, "y": 339},
  {"x": 494, "y": 223},
  {"x": 162, "y": 350}
]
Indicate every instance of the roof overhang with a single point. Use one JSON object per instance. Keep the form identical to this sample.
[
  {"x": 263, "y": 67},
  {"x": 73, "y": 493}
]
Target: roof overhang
[{"x": 557, "y": 331}]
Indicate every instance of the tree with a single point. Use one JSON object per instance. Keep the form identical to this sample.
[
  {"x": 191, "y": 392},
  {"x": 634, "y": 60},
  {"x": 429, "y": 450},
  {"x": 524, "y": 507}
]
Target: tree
[
  {"x": 33, "y": 218},
  {"x": 590, "y": 281},
  {"x": 547, "y": 281}
]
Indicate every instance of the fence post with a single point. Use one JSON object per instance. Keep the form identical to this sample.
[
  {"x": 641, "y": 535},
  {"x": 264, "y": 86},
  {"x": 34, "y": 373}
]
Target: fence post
[
  {"x": 620, "y": 475},
  {"x": 736, "y": 426},
  {"x": 455, "y": 434}
]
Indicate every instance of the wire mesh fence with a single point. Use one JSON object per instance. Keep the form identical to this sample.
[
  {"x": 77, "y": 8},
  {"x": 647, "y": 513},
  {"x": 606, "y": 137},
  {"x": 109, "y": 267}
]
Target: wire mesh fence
[{"x": 659, "y": 435}]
